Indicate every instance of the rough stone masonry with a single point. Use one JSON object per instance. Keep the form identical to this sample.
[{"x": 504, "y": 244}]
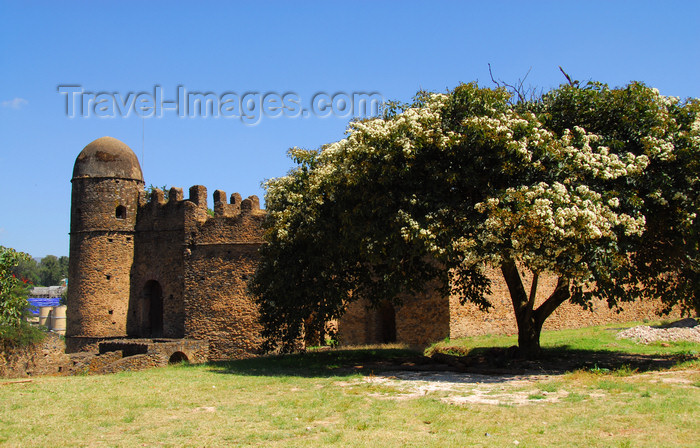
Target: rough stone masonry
[{"x": 143, "y": 266}]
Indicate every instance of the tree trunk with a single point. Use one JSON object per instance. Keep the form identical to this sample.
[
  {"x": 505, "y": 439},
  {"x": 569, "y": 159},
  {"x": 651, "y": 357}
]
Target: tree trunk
[
  {"x": 530, "y": 320},
  {"x": 529, "y": 338}
]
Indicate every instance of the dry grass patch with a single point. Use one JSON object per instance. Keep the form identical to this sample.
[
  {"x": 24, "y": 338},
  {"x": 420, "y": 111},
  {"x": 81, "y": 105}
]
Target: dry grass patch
[{"x": 325, "y": 399}]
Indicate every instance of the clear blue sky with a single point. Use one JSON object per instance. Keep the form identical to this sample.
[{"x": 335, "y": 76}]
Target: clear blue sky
[{"x": 394, "y": 48}]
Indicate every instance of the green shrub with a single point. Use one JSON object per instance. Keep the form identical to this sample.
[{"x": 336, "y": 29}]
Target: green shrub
[
  {"x": 13, "y": 291},
  {"x": 20, "y": 335}
]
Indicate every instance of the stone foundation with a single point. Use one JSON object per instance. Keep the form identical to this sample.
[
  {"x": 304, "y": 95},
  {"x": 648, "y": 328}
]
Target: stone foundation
[
  {"x": 117, "y": 355},
  {"x": 45, "y": 358}
]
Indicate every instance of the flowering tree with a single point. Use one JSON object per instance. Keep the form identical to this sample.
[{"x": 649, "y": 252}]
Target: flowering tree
[
  {"x": 665, "y": 261},
  {"x": 454, "y": 182}
]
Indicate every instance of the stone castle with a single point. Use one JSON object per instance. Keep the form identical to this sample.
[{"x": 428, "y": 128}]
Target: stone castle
[
  {"x": 143, "y": 266},
  {"x": 155, "y": 268}
]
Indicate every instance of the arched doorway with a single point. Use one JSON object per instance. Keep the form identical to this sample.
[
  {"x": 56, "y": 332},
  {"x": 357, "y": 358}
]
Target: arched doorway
[
  {"x": 177, "y": 358},
  {"x": 152, "y": 310},
  {"x": 386, "y": 323}
]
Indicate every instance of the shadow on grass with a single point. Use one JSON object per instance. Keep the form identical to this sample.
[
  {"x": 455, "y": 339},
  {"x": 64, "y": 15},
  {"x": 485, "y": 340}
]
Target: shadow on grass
[
  {"x": 564, "y": 358},
  {"x": 322, "y": 363},
  {"x": 483, "y": 361}
]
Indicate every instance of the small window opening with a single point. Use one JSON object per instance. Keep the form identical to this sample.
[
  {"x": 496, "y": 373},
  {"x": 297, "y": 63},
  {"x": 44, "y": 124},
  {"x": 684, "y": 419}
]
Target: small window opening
[
  {"x": 109, "y": 277},
  {"x": 120, "y": 213}
]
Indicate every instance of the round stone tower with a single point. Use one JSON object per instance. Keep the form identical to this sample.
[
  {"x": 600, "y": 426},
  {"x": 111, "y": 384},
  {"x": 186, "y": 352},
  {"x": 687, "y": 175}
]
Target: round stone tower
[{"x": 107, "y": 180}]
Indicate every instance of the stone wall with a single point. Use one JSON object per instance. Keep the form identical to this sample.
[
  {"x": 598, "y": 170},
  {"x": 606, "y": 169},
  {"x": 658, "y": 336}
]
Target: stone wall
[
  {"x": 117, "y": 355},
  {"x": 103, "y": 214},
  {"x": 468, "y": 320},
  {"x": 221, "y": 256},
  {"x": 430, "y": 318},
  {"x": 362, "y": 325},
  {"x": 418, "y": 320},
  {"x": 45, "y": 358},
  {"x": 156, "y": 304}
]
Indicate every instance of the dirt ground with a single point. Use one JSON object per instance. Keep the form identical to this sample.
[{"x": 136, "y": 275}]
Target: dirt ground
[
  {"x": 497, "y": 376},
  {"x": 494, "y": 379},
  {"x": 495, "y": 389}
]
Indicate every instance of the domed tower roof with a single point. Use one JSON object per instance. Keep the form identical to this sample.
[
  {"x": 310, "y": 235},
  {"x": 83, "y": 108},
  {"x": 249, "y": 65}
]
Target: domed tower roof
[{"x": 107, "y": 157}]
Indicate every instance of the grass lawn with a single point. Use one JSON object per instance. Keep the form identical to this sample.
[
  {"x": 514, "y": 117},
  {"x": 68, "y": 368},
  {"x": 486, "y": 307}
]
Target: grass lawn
[{"x": 339, "y": 398}]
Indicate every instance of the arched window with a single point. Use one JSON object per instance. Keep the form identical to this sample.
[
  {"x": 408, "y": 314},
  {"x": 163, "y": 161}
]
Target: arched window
[{"x": 120, "y": 213}]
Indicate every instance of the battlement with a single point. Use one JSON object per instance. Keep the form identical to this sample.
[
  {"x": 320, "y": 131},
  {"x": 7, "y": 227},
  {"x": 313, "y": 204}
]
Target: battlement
[
  {"x": 236, "y": 205},
  {"x": 235, "y": 221},
  {"x": 198, "y": 197},
  {"x": 158, "y": 213}
]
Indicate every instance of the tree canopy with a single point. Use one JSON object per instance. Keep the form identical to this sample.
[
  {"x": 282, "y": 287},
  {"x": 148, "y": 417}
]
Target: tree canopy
[
  {"x": 13, "y": 291},
  {"x": 49, "y": 271},
  {"x": 597, "y": 186},
  {"x": 14, "y": 330}
]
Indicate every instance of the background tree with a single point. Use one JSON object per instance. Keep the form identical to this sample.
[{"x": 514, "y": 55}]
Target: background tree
[
  {"x": 443, "y": 187},
  {"x": 27, "y": 268},
  {"x": 14, "y": 330},
  {"x": 151, "y": 187},
  {"x": 52, "y": 270},
  {"x": 48, "y": 271},
  {"x": 13, "y": 291}
]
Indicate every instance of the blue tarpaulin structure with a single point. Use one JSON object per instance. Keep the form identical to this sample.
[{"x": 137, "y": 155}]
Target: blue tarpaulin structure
[{"x": 37, "y": 302}]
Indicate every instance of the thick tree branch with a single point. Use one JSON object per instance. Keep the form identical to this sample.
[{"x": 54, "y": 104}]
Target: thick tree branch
[
  {"x": 515, "y": 287},
  {"x": 560, "y": 295},
  {"x": 533, "y": 295}
]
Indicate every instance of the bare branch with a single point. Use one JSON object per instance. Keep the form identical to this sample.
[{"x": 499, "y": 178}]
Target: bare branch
[
  {"x": 492, "y": 78},
  {"x": 519, "y": 90},
  {"x": 572, "y": 83}
]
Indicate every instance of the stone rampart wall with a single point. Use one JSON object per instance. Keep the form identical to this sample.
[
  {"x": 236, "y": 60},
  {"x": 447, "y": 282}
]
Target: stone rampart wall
[
  {"x": 221, "y": 257},
  {"x": 468, "y": 320}
]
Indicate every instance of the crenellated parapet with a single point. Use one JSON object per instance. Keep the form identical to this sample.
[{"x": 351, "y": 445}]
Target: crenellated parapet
[
  {"x": 233, "y": 216},
  {"x": 235, "y": 221},
  {"x": 251, "y": 204},
  {"x": 158, "y": 213},
  {"x": 236, "y": 205}
]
